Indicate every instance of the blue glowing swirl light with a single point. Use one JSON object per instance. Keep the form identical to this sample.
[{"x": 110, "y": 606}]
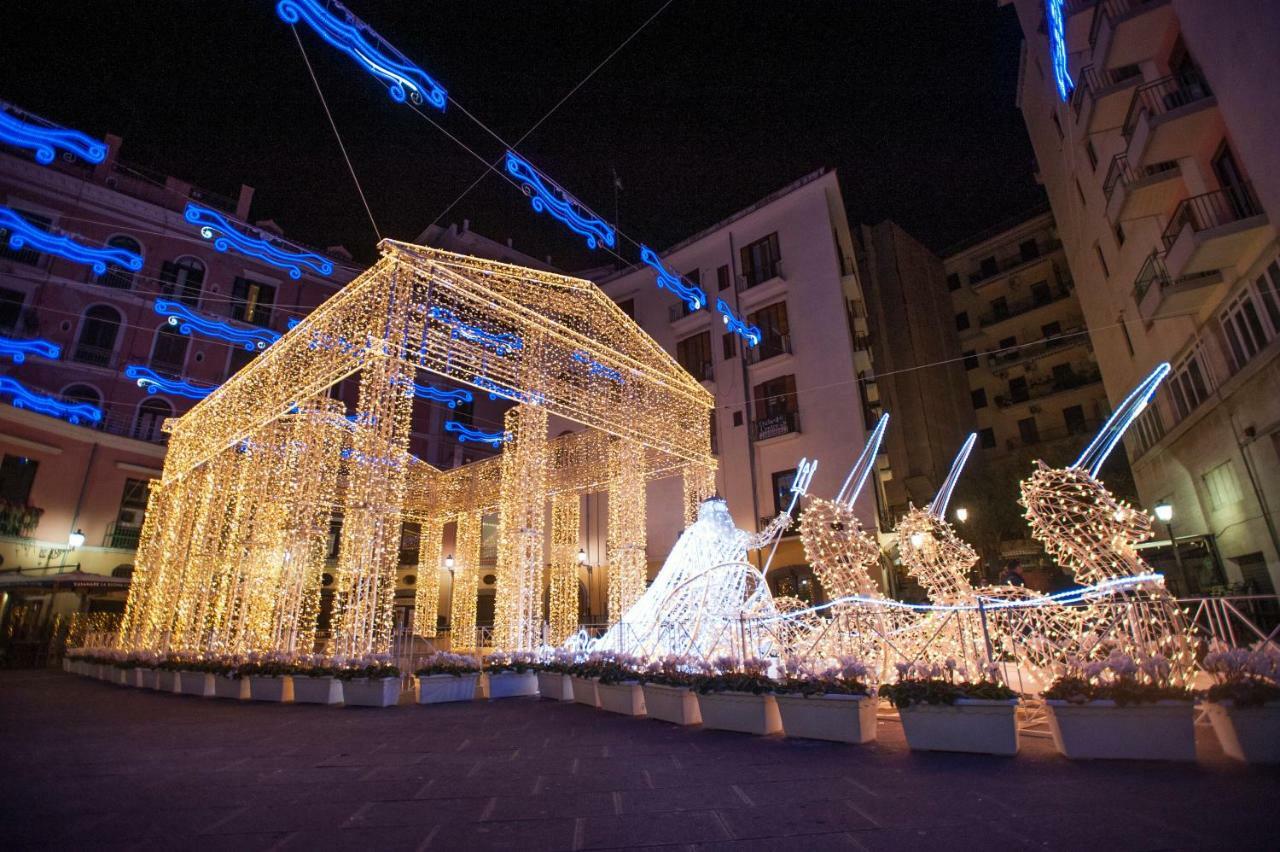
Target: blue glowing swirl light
[
  {"x": 358, "y": 40},
  {"x": 189, "y": 322},
  {"x": 1058, "y": 47},
  {"x": 22, "y": 233},
  {"x": 18, "y": 350},
  {"x": 452, "y": 397},
  {"x": 45, "y": 138},
  {"x": 595, "y": 368},
  {"x": 545, "y": 195},
  {"x": 692, "y": 295},
  {"x": 226, "y": 236},
  {"x": 502, "y": 344},
  {"x": 75, "y": 412},
  {"x": 156, "y": 383},
  {"x": 1120, "y": 420},
  {"x": 749, "y": 333},
  {"x": 467, "y": 433},
  {"x": 500, "y": 391}
]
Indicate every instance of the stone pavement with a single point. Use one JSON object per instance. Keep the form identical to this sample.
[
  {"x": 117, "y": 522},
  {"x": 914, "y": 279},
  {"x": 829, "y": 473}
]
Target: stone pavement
[{"x": 89, "y": 765}]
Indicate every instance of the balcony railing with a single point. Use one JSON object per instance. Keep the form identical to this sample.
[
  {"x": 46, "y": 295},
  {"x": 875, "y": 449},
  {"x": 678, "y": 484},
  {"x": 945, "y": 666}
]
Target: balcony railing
[
  {"x": 1162, "y": 96},
  {"x": 1093, "y": 80},
  {"x": 1018, "y": 308},
  {"x": 98, "y": 356},
  {"x": 680, "y": 310},
  {"x": 1212, "y": 210},
  {"x": 775, "y": 425},
  {"x": 1010, "y": 263},
  {"x": 759, "y": 275},
  {"x": 769, "y": 347},
  {"x": 1067, "y": 337},
  {"x": 1121, "y": 174},
  {"x": 703, "y": 371},
  {"x": 1038, "y": 390},
  {"x": 1112, "y": 10},
  {"x": 122, "y": 536}
]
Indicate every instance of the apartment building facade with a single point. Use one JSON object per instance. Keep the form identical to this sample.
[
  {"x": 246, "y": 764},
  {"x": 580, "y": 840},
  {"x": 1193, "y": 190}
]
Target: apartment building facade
[{"x": 1163, "y": 174}]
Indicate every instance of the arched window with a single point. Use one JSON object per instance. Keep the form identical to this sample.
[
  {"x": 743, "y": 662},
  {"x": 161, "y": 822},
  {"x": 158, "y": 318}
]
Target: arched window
[
  {"x": 151, "y": 414},
  {"x": 117, "y": 276},
  {"x": 97, "y": 341},
  {"x": 169, "y": 351},
  {"x": 82, "y": 393},
  {"x": 183, "y": 279},
  {"x": 125, "y": 571}
]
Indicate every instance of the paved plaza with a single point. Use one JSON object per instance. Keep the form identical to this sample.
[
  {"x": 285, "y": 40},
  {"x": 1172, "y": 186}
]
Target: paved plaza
[{"x": 89, "y": 765}]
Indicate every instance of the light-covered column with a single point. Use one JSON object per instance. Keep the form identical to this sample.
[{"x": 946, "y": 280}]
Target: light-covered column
[
  {"x": 566, "y": 517},
  {"x": 628, "y": 567},
  {"x": 426, "y": 596},
  {"x": 466, "y": 582},
  {"x": 699, "y": 483},
  {"x": 521, "y": 530}
]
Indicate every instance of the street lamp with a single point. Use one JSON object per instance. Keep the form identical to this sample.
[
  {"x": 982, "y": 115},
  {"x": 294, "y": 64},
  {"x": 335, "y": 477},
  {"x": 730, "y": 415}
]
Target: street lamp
[
  {"x": 448, "y": 562},
  {"x": 962, "y": 514},
  {"x": 1164, "y": 514},
  {"x": 76, "y": 539},
  {"x": 582, "y": 556}
]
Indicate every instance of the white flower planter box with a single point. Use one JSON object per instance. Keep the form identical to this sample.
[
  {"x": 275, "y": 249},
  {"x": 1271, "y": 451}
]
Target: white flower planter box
[
  {"x": 199, "y": 684},
  {"x": 839, "y": 718},
  {"x": 675, "y": 704},
  {"x": 236, "y": 688},
  {"x": 147, "y": 678},
  {"x": 316, "y": 690},
  {"x": 971, "y": 725},
  {"x": 555, "y": 685},
  {"x": 271, "y": 688},
  {"x": 1251, "y": 734},
  {"x": 166, "y": 680},
  {"x": 1101, "y": 730},
  {"x": 740, "y": 711},
  {"x": 443, "y": 688},
  {"x": 100, "y": 671},
  {"x": 512, "y": 684},
  {"x": 624, "y": 698},
  {"x": 126, "y": 677},
  {"x": 371, "y": 692},
  {"x": 66, "y": 665},
  {"x": 585, "y": 690}
]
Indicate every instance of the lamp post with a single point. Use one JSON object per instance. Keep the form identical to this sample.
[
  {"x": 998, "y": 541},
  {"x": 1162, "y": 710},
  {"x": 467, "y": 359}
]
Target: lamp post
[
  {"x": 962, "y": 514},
  {"x": 1164, "y": 514}
]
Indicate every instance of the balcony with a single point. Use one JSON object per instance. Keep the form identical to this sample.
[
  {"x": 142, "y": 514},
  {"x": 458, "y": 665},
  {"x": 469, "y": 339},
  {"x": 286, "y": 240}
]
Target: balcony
[
  {"x": 769, "y": 347},
  {"x": 1127, "y": 32},
  {"x": 122, "y": 536},
  {"x": 1170, "y": 119},
  {"x": 1159, "y": 294},
  {"x": 1082, "y": 377},
  {"x": 703, "y": 371},
  {"x": 1017, "y": 309},
  {"x": 1001, "y": 362},
  {"x": 1080, "y": 432},
  {"x": 680, "y": 310},
  {"x": 1101, "y": 97},
  {"x": 990, "y": 272},
  {"x": 96, "y": 356},
  {"x": 1213, "y": 231},
  {"x": 761, "y": 275},
  {"x": 1134, "y": 194},
  {"x": 775, "y": 426}
]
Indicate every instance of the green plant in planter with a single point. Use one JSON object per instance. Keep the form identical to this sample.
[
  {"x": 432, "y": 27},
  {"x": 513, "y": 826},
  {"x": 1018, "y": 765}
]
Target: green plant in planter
[
  {"x": 923, "y": 683},
  {"x": 372, "y": 666},
  {"x": 620, "y": 668},
  {"x": 847, "y": 677},
  {"x": 443, "y": 662},
  {"x": 518, "y": 662},
  {"x": 674, "y": 670},
  {"x": 729, "y": 674},
  {"x": 1245, "y": 677},
  {"x": 1119, "y": 677}
]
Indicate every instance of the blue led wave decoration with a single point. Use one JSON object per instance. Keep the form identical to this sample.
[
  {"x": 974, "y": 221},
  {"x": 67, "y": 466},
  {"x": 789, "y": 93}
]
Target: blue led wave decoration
[
  {"x": 44, "y": 139},
  {"x": 189, "y": 322},
  {"x": 502, "y": 344},
  {"x": 156, "y": 383},
  {"x": 547, "y": 196},
  {"x": 1058, "y": 47},
  {"x": 452, "y": 397},
  {"x": 74, "y": 412},
  {"x": 226, "y": 236},
  {"x": 23, "y": 233},
  {"x": 358, "y": 40},
  {"x": 500, "y": 391},
  {"x": 467, "y": 433},
  {"x": 749, "y": 333},
  {"x": 595, "y": 368},
  {"x": 18, "y": 350},
  {"x": 692, "y": 295}
]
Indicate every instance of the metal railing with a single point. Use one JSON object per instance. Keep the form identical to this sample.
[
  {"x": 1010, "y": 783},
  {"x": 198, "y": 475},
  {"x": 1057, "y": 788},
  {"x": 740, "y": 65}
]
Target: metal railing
[
  {"x": 769, "y": 347},
  {"x": 1072, "y": 336},
  {"x": 98, "y": 356},
  {"x": 1011, "y": 263},
  {"x": 122, "y": 536},
  {"x": 1019, "y": 308},
  {"x": 1038, "y": 390},
  {"x": 1093, "y": 80},
  {"x": 680, "y": 310},
  {"x": 756, "y": 276},
  {"x": 1163, "y": 96},
  {"x": 702, "y": 371},
  {"x": 1212, "y": 210},
  {"x": 775, "y": 425}
]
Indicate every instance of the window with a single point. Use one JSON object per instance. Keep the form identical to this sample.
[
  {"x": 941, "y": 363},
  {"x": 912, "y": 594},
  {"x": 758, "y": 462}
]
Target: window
[
  {"x": 239, "y": 357},
  {"x": 782, "y": 482},
  {"x": 1008, "y": 343},
  {"x": 970, "y": 360},
  {"x": 251, "y": 301},
  {"x": 988, "y": 267},
  {"x": 1147, "y": 429},
  {"x": 1028, "y": 433},
  {"x": 133, "y": 506},
  {"x": 1268, "y": 286},
  {"x": 1119, "y": 233},
  {"x": 978, "y": 397},
  {"x": 1091, "y": 154},
  {"x": 117, "y": 276},
  {"x": 729, "y": 342},
  {"x": 1242, "y": 325},
  {"x": 1018, "y": 391},
  {"x": 23, "y": 255},
  {"x": 1000, "y": 308},
  {"x": 775, "y": 337},
  {"x": 987, "y": 438},
  {"x": 465, "y": 412},
  {"x": 694, "y": 354},
  {"x": 83, "y": 393},
  {"x": 775, "y": 407},
  {"x": 151, "y": 414},
  {"x": 715, "y": 432},
  {"x": 1074, "y": 419},
  {"x": 1028, "y": 250},
  {"x": 953, "y": 282},
  {"x": 722, "y": 277},
  {"x": 962, "y": 321},
  {"x": 1188, "y": 386},
  {"x": 1051, "y": 330},
  {"x": 169, "y": 351},
  {"x": 10, "y": 308},
  {"x": 97, "y": 341},
  {"x": 761, "y": 261},
  {"x": 1222, "y": 485},
  {"x": 737, "y": 418},
  {"x": 17, "y": 475},
  {"x": 1102, "y": 261},
  {"x": 1080, "y": 192},
  {"x": 628, "y": 307},
  {"x": 1040, "y": 293},
  {"x": 694, "y": 277},
  {"x": 1124, "y": 327},
  {"x": 1064, "y": 376},
  {"x": 182, "y": 279}
]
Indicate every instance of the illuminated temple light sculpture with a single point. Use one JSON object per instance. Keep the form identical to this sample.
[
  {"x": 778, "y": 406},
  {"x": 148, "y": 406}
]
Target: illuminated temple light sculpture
[
  {"x": 18, "y": 350},
  {"x": 694, "y": 297},
  {"x": 749, "y": 333},
  {"x": 562, "y": 588},
  {"x": 190, "y": 323},
  {"x": 522, "y": 529},
  {"x": 227, "y": 236},
  {"x": 156, "y": 383},
  {"x": 930, "y": 549},
  {"x": 426, "y": 595},
  {"x": 22, "y": 233},
  {"x": 340, "y": 28},
  {"x": 26, "y": 130},
  {"x": 22, "y": 397},
  {"x": 466, "y": 582},
  {"x": 547, "y": 196}
]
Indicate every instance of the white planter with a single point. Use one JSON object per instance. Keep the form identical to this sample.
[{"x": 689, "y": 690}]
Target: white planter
[
  {"x": 166, "y": 680},
  {"x": 316, "y": 690},
  {"x": 371, "y": 692},
  {"x": 1251, "y": 734},
  {"x": 584, "y": 690},
  {"x": 147, "y": 678},
  {"x": 66, "y": 665},
  {"x": 839, "y": 718},
  {"x": 740, "y": 711},
  {"x": 1101, "y": 730},
  {"x": 675, "y": 704},
  {"x": 624, "y": 698},
  {"x": 555, "y": 685},
  {"x": 271, "y": 688},
  {"x": 442, "y": 688},
  {"x": 99, "y": 671},
  {"x": 196, "y": 683},
  {"x": 236, "y": 688},
  {"x": 971, "y": 724},
  {"x": 126, "y": 677},
  {"x": 512, "y": 684}
]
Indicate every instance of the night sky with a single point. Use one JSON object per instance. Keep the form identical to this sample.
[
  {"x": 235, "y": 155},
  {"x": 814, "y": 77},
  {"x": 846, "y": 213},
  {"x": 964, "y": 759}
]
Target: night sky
[{"x": 713, "y": 105}]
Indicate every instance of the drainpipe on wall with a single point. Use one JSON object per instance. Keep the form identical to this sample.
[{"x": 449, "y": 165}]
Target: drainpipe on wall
[{"x": 1258, "y": 493}]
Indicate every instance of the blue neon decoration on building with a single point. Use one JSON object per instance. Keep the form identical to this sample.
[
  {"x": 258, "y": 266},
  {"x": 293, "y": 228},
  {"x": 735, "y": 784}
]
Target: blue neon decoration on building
[
  {"x": 692, "y": 295},
  {"x": 189, "y": 322},
  {"x": 18, "y": 350},
  {"x": 45, "y": 138},
  {"x": 156, "y": 383},
  {"x": 500, "y": 391},
  {"x": 23, "y": 233},
  {"x": 74, "y": 412},
  {"x": 1058, "y": 47},
  {"x": 749, "y": 333},
  {"x": 595, "y": 368},
  {"x": 547, "y": 196},
  {"x": 292, "y": 323},
  {"x": 502, "y": 344},
  {"x": 1095, "y": 455},
  {"x": 226, "y": 236},
  {"x": 451, "y": 397},
  {"x": 358, "y": 40},
  {"x": 467, "y": 433}
]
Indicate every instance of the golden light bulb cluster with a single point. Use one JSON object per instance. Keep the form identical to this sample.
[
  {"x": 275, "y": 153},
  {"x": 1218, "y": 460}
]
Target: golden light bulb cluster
[
  {"x": 466, "y": 581},
  {"x": 426, "y": 595},
  {"x": 628, "y": 565},
  {"x": 566, "y": 515}
]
